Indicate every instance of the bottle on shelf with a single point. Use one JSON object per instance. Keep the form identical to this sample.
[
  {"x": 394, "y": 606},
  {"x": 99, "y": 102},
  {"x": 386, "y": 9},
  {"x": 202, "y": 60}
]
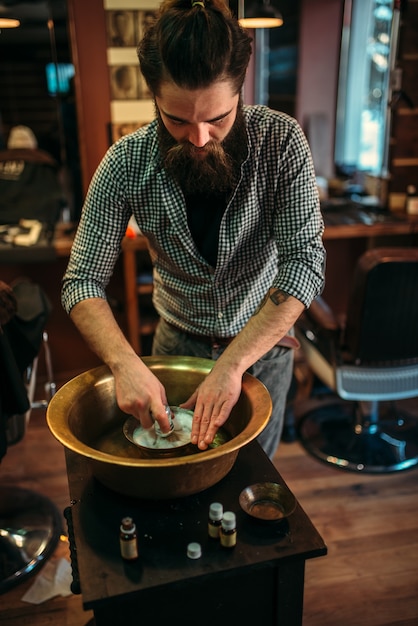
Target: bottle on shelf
[
  {"x": 411, "y": 202},
  {"x": 128, "y": 539}
]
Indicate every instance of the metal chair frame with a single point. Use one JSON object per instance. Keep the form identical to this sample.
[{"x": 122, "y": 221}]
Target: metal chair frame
[{"x": 360, "y": 427}]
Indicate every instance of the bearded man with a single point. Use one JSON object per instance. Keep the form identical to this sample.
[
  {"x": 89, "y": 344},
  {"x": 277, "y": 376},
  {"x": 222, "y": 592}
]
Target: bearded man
[{"x": 226, "y": 196}]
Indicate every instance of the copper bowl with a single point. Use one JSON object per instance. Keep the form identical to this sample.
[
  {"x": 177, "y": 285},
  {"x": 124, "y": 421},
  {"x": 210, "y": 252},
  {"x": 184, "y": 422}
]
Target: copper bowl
[
  {"x": 268, "y": 502},
  {"x": 83, "y": 415}
]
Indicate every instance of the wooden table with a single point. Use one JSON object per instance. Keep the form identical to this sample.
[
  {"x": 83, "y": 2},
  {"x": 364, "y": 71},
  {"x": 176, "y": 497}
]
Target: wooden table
[
  {"x": 400, "y": 225},
  {"x": 261, "y": 580},
  {"x": 45, "y": 250}
]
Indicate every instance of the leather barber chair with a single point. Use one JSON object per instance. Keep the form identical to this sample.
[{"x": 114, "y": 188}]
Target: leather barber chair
[
  {"x": 367, "y": 362},
  {"x": 30, "y": 524}
]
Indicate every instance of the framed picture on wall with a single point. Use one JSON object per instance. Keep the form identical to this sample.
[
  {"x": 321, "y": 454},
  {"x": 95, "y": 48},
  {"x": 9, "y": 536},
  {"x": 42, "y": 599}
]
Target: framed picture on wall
[
  {"x": 120, "y": 27},
  {"x": 143, "y": 20},
  {"x": 124, "y": 82}
]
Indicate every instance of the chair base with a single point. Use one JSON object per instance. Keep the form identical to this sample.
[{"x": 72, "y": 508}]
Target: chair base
[
  {"x": 332, "y": 434},
  {"x": 30, "y": 527}
]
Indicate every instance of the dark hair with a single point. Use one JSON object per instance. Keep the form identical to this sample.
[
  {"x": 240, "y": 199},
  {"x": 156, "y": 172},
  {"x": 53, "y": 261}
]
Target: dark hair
[{"x": 194, "y": 44}]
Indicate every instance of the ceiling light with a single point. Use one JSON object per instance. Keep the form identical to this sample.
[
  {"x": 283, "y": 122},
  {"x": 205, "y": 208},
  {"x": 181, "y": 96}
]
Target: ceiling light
[
  {"x": 260, "y": 14},
  {"x": 8, "y": 22}
]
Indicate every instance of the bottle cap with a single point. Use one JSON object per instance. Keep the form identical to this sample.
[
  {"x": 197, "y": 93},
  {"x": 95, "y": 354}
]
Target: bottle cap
[
  {"x": 229, "y": 520},
  {"x": 216, "y": 511},
  {"x": 194, "y": 550},
  {"x": 127, "y": 525}
]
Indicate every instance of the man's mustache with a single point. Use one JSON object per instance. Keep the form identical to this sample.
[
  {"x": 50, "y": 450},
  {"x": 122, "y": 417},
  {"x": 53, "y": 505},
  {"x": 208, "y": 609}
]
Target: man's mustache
[{"x": 189, "y": 150}]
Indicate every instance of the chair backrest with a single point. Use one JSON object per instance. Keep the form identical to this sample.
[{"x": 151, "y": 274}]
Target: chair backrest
[
  {"x": 29, "y": 187},
  {"x": 382, "y": 316}
]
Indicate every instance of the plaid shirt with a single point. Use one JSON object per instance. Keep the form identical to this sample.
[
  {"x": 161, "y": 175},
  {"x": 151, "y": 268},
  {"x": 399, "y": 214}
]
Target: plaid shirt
[{"x": 270, "y": 234}]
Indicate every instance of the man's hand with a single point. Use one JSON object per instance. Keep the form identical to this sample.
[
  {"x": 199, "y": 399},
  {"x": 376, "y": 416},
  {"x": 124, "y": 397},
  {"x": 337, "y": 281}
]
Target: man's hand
[
  {"x": 138, "y": 391},
  {"x": 213, "y": 402},
  {"x": 141, "y": 394}
]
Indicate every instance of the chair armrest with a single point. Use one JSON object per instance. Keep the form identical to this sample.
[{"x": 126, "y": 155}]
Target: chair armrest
[
  {"x": 319, "y": 327},
  {"x": 322, "y": 315}
]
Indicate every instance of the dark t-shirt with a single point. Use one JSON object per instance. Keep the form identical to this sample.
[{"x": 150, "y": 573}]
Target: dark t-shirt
[{"x": 204, "y": 215}]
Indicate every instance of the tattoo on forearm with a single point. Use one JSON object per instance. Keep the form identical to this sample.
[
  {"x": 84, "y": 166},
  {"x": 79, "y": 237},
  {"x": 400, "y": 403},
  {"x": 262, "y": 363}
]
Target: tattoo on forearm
[{"x": 278, "y": 297}]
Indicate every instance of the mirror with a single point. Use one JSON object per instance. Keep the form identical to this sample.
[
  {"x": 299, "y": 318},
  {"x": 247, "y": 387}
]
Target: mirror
[
  {"x": 368, "y": 50},
  {"x": 36, "y": 86}
]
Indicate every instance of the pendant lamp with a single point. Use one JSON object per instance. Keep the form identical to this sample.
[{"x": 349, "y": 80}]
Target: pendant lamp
[
  {"x": 259, "y": 14},
  {"x": 8, "y": 22}
]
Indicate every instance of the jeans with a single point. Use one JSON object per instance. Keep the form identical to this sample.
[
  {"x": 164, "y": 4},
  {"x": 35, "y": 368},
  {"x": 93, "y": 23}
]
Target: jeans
[{"x": 274, "y": 369}]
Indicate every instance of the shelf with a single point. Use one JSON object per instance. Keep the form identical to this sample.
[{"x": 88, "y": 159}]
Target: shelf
[
  {"x": 144, "y": 290},
  {"x": 141, "y": 319}
]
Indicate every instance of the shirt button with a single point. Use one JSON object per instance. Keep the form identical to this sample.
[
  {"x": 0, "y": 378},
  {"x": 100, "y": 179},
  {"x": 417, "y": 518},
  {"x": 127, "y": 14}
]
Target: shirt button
[{"x": 220, "y": 316}]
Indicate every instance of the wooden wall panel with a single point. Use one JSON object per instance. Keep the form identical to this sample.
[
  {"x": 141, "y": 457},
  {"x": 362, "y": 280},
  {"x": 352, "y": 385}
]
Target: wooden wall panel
[
  {"x": 88, "y": 44},
  {"x": 405, "y": 129}
]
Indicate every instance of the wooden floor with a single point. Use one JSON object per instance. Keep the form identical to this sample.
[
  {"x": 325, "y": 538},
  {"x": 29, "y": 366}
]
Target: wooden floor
[{"x": 369, "y": 523}]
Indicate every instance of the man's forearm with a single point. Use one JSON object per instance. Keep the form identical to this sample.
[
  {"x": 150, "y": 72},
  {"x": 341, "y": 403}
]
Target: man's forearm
[
  {"x": 273, "y": 319},
  {"x": 138, "y": 390},
  {"x": 97, "y": 325}
]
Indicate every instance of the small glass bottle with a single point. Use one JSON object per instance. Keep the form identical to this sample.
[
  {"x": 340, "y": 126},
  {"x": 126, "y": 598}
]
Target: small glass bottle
[
  {"x": 215, "y": 519},
  {"x": 411, "y": 202},
  {"x": 228, "y": 534},
  {"x": 128, "y": 540}
]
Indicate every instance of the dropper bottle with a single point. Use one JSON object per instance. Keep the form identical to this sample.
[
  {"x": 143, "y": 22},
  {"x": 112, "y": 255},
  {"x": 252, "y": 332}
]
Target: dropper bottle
[
  {"x": 215, "y": 519},
  {"x": 228, "y": 533},
  {"x": 128, "y": 539}
]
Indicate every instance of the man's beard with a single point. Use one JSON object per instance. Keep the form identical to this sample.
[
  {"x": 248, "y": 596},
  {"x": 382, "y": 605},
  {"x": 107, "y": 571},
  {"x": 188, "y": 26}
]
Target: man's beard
[{"x": 213, "y": 171}]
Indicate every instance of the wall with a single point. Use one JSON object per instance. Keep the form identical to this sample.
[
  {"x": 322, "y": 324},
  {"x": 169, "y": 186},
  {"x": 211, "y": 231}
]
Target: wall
[
  {"x": 284, "y": 58},
  {"x": 91, "y": 82},
  {"x": 319, "y": 53},
  {"x": 97, "y": 109}
]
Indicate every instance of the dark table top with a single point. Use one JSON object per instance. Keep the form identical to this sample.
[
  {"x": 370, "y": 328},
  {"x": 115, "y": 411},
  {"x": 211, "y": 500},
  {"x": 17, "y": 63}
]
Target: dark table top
[{"x": 166, "y": 527}]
